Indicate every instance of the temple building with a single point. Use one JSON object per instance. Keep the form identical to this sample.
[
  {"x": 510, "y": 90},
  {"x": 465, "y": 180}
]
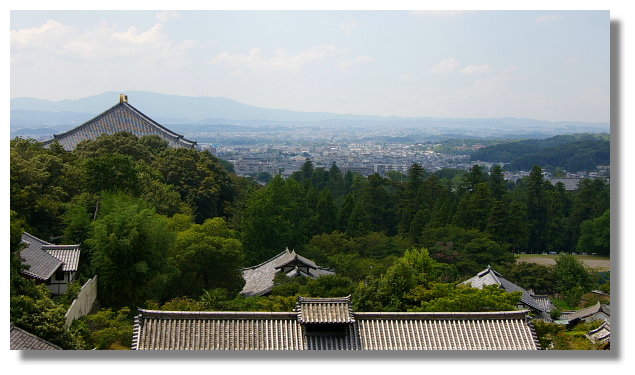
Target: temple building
[
  {"x": 538, "y": 304},
  {"x": 50, "y": 264},
  {"x": 331, "y": 324},
  {"x": 120, "y": 118},
  {"x": 259, "y": 278}
]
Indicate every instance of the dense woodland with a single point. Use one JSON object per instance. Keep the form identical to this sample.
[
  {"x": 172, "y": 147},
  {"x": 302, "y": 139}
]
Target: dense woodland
[
  {"x": 171, "y": 228},
  {"x": 578, "y": 152}
]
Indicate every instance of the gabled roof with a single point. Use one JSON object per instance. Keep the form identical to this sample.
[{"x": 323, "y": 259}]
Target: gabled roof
[
  {"x": 41, "y": 264},
  {"x": 259, "y": 278},
  {"x": 205, "y": 330},
  {"x": 324, "y": 310},
  {"x": 601, "y": 334},
  {"x": 68, "y": 254},
  {"x": 23, "y": 340},
  {"x": 44, "y": 258},
  {"x": 591, "y": 310},
  {"x": 491, "y": 277},
  {"x": 570, "y": 184},
  {"x": 121, "y": 117}
]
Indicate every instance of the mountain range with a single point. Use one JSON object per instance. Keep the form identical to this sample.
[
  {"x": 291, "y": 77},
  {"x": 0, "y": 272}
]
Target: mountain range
[{"x": 30, "y": 115}]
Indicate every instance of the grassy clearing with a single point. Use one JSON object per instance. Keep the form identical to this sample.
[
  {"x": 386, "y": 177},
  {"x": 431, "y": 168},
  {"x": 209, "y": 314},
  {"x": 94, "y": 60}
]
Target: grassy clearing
[{"x": 596, "y": 262}]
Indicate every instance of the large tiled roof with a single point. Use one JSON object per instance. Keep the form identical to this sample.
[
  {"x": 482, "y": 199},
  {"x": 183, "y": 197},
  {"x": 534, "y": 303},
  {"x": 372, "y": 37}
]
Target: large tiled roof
[
  {"x": 324, "y": 310},
  {"x": 491, "y": 277},
  {"x": 23, "y": 340},
  {"x": 161, "y": 330},
  {"x": 259, "y": 278},
  {"x": 44, "y": 258},
  {"x": 120, "y": 118}
]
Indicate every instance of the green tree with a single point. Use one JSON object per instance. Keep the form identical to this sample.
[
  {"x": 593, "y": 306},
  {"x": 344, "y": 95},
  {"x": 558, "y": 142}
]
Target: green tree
[
  {"x": 129, "y": 244},
  {"x": 206, "y": 256},
  {"x": 595, "y": 235},
  {"x": 469, "y": 250},
  {"x": 324, "y": 219},
  {"x": 114, "y": 172},
  {"x": 199, "y": 178},
  {"x": 497, "y": 182},
  {"x": 276, "y": 217},
  {"x": 537, "y": 216},
  {"x": 452, "y": 297},
  {"x": 572, "y": 278}
]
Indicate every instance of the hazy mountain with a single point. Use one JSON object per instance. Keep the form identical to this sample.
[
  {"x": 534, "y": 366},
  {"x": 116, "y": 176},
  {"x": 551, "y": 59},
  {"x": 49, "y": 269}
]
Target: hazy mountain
[{"x": 173, "y": 109}]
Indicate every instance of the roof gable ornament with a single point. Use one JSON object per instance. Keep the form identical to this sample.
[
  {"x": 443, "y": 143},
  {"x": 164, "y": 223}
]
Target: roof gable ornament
[{"x": 123, "y": 98}]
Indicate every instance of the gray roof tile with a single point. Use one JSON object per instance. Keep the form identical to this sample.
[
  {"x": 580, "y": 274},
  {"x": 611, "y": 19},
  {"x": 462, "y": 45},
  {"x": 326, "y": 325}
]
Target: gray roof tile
[
  {"x": 23, "y": 340},
  {"x": 120, "y": 118},
  {"x": 259, "y": 278},
  {"x": 491, "y": 277},
  {"x": 161, "y": 330},
  {"x": 44, "y": 258}
]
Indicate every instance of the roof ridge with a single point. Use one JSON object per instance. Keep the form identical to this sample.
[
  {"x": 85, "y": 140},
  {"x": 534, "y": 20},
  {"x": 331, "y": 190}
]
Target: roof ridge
[
  {"x": 81, "y": 126},
  {"x": 167, "y": 132},
  {"x": 267, "y": 261},
  {"x": 147, "y": 118},
  {"x": 37, "y": 238}
]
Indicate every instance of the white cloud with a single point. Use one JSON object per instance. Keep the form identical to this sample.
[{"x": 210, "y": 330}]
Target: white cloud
[
  {"x": 548, "y": 18},
  {"x": 348, "y": 26},
  {"x": 103, "y": 42},
  {"x": 46, "y": 36},
  {"x": 357, "y": 60},
  {"x": 281, "y": 60},
  {"x": 477, "y": 69},
  {"x": 446, "y": 65}
]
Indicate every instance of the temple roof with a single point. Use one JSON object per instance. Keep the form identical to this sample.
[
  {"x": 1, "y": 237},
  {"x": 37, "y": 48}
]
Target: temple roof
[
  {"x": 23, "y": 340},
  {"x": 586, "y": 312},
  {"x": 491, "y": 277},
  {"x": 205, "y": 330},
  {"x": 122, "y": 117},
  {"x": 44, "y": 258},
  {"x": 259, "y": 278}
]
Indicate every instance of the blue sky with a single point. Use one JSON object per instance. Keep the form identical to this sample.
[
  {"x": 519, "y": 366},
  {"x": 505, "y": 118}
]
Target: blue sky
[{"x": 548, "y": 65}]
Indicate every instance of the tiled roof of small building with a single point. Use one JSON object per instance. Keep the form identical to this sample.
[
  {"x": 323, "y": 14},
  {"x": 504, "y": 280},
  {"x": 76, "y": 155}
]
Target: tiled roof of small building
[
  {"x": 68, "y": 254},
  {"x": 44, "y": 258},
  {"x": 23, "y": 340},
  {"x": 570, "y": 184},
  {"x": 491, "y": 277},
  {"x": 601, "y": 334},
  {"x": 324, "y": 310},
  {"x": 161, "y": 330},
  {"x": 120, "y": 118},
  {"x": 586, "y": 312},
  {"x": 259, "y": 278},
  {"x": 41, "y": 264}
]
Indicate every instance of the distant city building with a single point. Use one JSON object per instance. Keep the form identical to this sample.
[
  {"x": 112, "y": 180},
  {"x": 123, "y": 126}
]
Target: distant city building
[
  {"x": 570, "y": 184},
  {"x": 120, "y": 118}
]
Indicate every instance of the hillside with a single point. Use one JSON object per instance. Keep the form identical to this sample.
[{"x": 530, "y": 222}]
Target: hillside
[{"x": 572, "y": 152}]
